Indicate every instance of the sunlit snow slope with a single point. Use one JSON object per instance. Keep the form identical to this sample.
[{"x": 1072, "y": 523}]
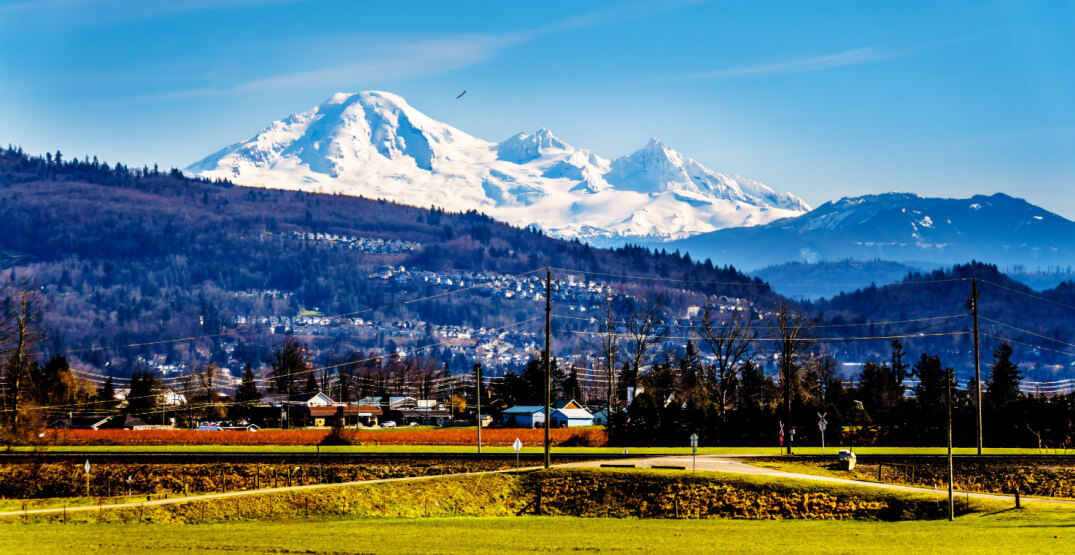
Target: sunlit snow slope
[{"x": 373, "y": 144}]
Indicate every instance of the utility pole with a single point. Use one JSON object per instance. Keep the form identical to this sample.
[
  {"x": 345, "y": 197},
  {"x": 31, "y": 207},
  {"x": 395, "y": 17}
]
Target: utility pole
[
  {"x": 951, "y": 501},
  {"x": 972, "y": 303},
  {"x": 548, "y": 360},
  {"x": 478, "y": 389}
]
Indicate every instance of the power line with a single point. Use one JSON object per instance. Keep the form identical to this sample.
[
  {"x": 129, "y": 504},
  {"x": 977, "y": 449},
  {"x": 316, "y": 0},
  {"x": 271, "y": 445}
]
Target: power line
[
  {"x": 341, "y": 315},
  {"x": 1028, "y": 332},
  {"x": 269, "y": 379},
  {"x": 1031, "y": 345},
  {"x": 802, "y": 339},
  {"x": 862, "y": 324},
  {"x": 1032, "y": 296},
  {"x": 763, "y": 284}
]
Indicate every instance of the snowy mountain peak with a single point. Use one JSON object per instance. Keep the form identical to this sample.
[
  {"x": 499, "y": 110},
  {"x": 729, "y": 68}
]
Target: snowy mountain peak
[
  {"x": 375, "y": 144},
  {"x": 523, "y": 148}
]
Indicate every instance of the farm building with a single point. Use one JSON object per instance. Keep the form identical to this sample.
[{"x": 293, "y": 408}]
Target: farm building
[
  {"x": 570, "y": 414},
  {"x": 523, "y": 416}
]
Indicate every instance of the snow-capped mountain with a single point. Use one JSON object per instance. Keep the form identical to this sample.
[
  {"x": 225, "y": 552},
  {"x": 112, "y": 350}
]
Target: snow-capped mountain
[
  {"x": 902, "y": 227},
  {"x": 373, "y": 144}
]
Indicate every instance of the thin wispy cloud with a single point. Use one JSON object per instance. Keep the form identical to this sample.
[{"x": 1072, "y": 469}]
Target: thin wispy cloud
[
  {"x": 406, "y": 58},
  {"x": 411, "y": 58},
  {"x": 847, "y": 58},
  {"x": 101, "y": 11}
]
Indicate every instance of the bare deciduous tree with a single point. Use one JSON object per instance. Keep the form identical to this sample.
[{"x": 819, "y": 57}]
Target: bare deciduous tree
[
  {"x": 609, "y": 347},
  {"x": 791, "y": 331},
  {"x": 732, "y": 343},
  {"x": 21, "y": 318},
  {"x": 644, "y": 332}
]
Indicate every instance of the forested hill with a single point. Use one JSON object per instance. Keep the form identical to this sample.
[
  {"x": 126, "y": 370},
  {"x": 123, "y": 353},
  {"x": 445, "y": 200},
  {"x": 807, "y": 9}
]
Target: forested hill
[
  {"x": 129, "y": 255},
  {"x": 1041, "y": 321}
]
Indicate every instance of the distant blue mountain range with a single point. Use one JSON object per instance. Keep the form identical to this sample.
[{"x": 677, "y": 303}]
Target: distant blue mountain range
[{"x": 901, "y": 227}]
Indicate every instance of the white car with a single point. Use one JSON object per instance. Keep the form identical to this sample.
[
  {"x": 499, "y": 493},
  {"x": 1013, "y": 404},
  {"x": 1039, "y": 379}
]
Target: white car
[{"x": 388, "y": 424}]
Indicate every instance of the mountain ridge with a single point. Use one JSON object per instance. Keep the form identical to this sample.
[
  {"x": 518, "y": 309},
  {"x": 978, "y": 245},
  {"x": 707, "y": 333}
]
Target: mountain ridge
[
  {"x": 901, "y": 227},
  {"x": 374, "y": 144}
]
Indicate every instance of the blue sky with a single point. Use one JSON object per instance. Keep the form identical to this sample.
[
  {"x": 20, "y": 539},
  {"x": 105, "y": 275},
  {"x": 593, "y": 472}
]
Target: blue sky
[{"x": 823, "y": 99}]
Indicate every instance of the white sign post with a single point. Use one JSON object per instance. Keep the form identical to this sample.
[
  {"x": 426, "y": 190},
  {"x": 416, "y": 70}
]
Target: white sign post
[
  {"x": 87, "y": 467},
  {"x": 694, "y": 452},
  {"x": 518, "y": 445},
  {"x": 821, "y": 424}
]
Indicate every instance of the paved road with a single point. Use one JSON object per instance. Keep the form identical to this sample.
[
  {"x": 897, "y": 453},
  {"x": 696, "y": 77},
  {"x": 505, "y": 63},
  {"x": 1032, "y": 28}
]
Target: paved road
[{"x": 731, "y": 464}]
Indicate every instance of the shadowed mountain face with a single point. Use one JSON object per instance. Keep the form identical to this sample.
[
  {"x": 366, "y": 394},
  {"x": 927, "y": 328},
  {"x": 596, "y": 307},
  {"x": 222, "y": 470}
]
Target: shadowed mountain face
[
  {"x": 373, "y": 144},
  {"x": 900, "y": 227}
]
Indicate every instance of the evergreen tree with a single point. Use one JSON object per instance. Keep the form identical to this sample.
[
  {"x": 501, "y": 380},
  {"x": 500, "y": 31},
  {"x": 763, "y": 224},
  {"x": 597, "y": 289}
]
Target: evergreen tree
[
  {"x": 248, "y": 388},
  {"x": 931, "y": 390},
  {"x": 571, "y": 387},
  {"x": 289, "y": 362},
  {"x": 142, "y": 398},
  {"x": 690, "y": 369},
  {"x": 1003, "y": 386},
  {"x": 106, "y": 394}
]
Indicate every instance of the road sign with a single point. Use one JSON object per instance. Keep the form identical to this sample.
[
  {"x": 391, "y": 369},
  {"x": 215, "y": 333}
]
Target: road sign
[
  {"x": 518, "y": 445},
  {"x": 781, "y": 434},
  {"x": 694, "y": 440},
  {"x": 87, "y": 466}
]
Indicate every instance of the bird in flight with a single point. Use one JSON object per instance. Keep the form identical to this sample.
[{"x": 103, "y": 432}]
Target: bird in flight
[{"x": 461, "y": 94}]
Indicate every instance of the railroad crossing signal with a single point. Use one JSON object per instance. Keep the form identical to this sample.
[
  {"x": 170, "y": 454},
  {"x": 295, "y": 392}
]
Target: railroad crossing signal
[
  {"x": 821, "y": 425},
  {"x": 694, "y": 452}
]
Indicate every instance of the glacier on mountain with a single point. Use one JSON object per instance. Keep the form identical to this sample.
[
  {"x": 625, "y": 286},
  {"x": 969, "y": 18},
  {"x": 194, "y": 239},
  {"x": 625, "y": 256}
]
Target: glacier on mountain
[{"x": 374, "y": 144}]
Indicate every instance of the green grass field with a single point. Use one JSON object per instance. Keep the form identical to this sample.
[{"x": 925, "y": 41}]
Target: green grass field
[
  {"x": 1036, "y": 530},
  {"x": 994, "y": 527}
]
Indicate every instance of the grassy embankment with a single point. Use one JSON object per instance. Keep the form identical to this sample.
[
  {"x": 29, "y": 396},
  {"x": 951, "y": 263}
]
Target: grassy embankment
[
  {"x": 43, "y": 480},
  {"x": 475, "y": 514},
  {"x": 1040, "y": 478},
  {"x": 569, "y": 492}
]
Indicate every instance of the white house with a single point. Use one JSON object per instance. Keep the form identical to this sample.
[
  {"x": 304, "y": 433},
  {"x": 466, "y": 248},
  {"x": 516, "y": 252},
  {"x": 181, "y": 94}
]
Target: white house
[
  {"x": 570, "y": 414},
  {"x": 319, "y": 400}
]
